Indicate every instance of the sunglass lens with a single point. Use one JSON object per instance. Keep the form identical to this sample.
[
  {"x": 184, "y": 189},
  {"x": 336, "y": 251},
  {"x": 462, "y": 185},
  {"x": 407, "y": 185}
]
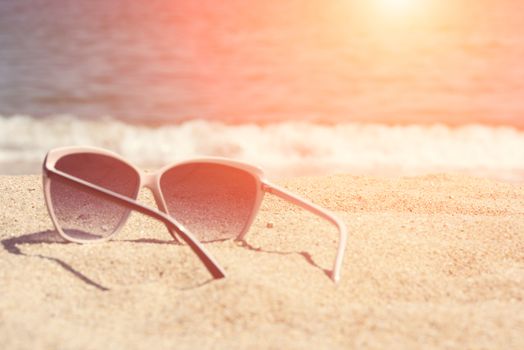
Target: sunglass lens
[
  {"x": 214, "y": 201},
  {"x": 81, "y": 213}
]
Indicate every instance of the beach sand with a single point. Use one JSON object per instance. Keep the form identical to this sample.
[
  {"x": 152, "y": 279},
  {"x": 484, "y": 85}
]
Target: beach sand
[{"x": 431, "y": 262}]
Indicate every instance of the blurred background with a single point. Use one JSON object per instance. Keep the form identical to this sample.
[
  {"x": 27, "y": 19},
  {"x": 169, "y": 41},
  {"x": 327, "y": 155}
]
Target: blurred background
[{"x": 378, "y": 87}]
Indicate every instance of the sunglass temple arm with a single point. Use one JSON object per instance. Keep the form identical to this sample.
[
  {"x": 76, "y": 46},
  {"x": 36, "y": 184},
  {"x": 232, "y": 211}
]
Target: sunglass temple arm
[
  {"x": 210, "y": 263},
  {"x": 319, "y": 211}
]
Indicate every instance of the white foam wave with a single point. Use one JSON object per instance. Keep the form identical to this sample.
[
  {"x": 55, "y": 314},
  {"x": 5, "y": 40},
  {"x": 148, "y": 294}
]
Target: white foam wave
[{"x": 283, "y": 149}]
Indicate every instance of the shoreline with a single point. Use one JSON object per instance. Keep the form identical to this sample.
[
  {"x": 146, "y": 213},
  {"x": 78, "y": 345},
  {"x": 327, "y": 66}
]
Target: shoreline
[{"x": 286, "y": 149}]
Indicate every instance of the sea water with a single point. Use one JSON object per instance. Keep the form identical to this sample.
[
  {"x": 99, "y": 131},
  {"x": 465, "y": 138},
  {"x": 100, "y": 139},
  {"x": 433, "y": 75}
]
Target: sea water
[{"x": 298, "y": 87}]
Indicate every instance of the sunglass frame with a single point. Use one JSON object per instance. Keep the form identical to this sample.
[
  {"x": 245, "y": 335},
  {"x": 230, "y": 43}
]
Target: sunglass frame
[{"x": 152, "y": 181}]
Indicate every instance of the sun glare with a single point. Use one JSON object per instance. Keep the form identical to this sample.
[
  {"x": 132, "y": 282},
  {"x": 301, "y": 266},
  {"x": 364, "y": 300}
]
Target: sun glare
[{"x": 397, "y": 6}]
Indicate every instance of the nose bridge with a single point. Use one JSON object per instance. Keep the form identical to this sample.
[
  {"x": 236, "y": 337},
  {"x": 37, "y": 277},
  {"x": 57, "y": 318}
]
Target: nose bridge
[{"x": 149, "y": 181}]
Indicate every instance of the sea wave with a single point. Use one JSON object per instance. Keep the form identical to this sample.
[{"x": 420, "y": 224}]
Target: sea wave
[{"x": 283, "y": 149}]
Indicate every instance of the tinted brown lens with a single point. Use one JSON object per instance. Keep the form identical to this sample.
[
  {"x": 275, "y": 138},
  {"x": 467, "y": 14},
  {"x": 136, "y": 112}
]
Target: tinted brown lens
[
  {"x": 213, "y": 201},
  {"x": 80, "y": 212}
]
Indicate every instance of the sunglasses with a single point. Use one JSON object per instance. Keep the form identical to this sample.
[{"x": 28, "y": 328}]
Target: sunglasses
[{"x": 90, "y": 193}]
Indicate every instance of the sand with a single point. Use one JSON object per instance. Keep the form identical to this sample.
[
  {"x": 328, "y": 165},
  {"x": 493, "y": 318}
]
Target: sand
[{"x": 431, "y": 262}]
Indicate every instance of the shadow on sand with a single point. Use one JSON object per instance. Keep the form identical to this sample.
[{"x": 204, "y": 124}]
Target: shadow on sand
[
  {"x": 50, "y": 237},
  {"x": 305, "y": 255},
  {"x": 11, "y": 245}
]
